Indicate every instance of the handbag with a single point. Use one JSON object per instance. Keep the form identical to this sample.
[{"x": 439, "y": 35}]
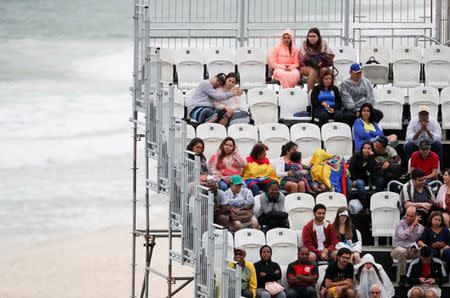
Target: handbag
[
  {"x": 243, "y": 214},
  {"x": 273, "y": 288}
]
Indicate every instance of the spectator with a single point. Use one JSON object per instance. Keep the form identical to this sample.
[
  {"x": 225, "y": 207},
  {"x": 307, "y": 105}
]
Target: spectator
[
  {"x": 326, "y": 100},
  {"x": 437, "y": 237},
  {"x": 338, "y": 281},
  {"x": 388, "y": 165},
  {"x": 362, "y": 167},
  {"x": 375, "y": 291},
  {"x": 267, "y": 271},
  {"x": 272, "y": 214},
  {"x": 248, "y": 282},
  {"x": 346, "y": 234},
  {"x": 426, "y": 274},
  {"x": 200, "y": 105},
  {"x": 443, "y": 197},
  {"x": 407, "y": 232},
  {"x": 319, "y": 236},
  {"x": 258, "y": 171},
  {"x": 423, "y": 127},
  {"x": 416, "y": 193},
  {"x": 368, "y": 273},
  {"x": 355, "y": 91},
  {"x": 284, "y": 61},
  {"x": 197, "y": 146},
  {"x": 226, "y": 162},
  {"x": 425, "y": 160},
  {"x": 240, "y": 205},
  {"x": 232, "y": 110},
  {"x": 302, "y": 276},
  {"x": 296, "y": 174},
  {"x": 316, "y": 55},
  {"x": 366, "y": 129},
  {"x": 220, "y": 205}
]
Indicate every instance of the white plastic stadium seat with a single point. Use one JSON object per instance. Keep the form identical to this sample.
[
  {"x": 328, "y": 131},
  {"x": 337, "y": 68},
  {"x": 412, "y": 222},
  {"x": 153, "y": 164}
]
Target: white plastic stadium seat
[
  {"x": 219, "y": 252},
  {"x": 307, "y": 137},
  {"x": 251, "y": 64},
  {"x": 343, "y": 59},
  {"x": 332, "y": 201},
  {"x": 212, "y": 135},
  {"x": 245, "y": 136},
  {"x": 252, "y": 240},
  {"x": 257, "y": 205},
  {"x": 337, "y": 138},
  {"x": 189, "y": 64},
  {"x": 424, "y": 96},
  {"x": 384, "y": 213},
  {"x": 166, "y": 57},
  {"x": 263, "y": 105},
  {"x": 178, "y": 104},
  {"x": 406, "y": 66},
  {"x": 292, "y": 100},
  {"x": 322, "y": 270},
  {"x": 219, "y": 60},
  {"x": 390, "y": 101},
  {"x": 284, "y": 245},
  {"x": 190, "y": 133},
  {"x": 376, "y": 73},
  {"x": 445, "y": 107},
  {"x": 437, "y": 65},
  {"x": 299, "y": 206},
  {"x": 274, "y": 135}
]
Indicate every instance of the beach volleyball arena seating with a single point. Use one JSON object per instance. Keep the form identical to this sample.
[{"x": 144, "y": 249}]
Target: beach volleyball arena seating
[
  {"x": 332, "y": 201},
  {"x": 406, "y": 67},
  {"x": 178, "y": 104},
  {"x": 189, "y": 67},
  {"x": 375, "y": 64},
  {"x": 245, "y": 136},
  {"x": 390, "y": 101},
  {"x": 212, "y": 135},
  {"x": 384, "y": 213},
  {"x": 337, "y": 138},
  {"x": 263, "y": 105},
  {"x": 284, "y": 245},
  {"x": 219, "y": 249},
  {"x": 292, "y": 100},
  {"x": 251, "y": 65},
  {"x": 343, "y": 59},
  {"x": 166, "y": 57},
  {"x": 307, "y": 137},
  {"x": 445, "y": 107},
  {"x": 219, "y": 60},
  {"x": 274, "y": 135},
  {"x": 190, "y": 133},
  {"x": 299, "y": 206},
  {"x": 437, "y": 65},
  {"x": 424, "y": 96},
  {"x": 252, "y": 240}
]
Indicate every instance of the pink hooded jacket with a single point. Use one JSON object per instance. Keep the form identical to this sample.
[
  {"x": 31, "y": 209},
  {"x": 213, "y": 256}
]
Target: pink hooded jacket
[{"x": 280, "y": 56}]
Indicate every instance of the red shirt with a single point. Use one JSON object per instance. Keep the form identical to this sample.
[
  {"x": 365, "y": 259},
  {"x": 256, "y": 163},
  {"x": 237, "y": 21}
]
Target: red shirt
[{"x": 427, "y": 164}]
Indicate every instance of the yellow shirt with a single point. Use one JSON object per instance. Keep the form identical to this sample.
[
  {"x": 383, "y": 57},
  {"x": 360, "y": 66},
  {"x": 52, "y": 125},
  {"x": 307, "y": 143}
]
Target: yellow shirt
[{"x": 368, "y": 126}]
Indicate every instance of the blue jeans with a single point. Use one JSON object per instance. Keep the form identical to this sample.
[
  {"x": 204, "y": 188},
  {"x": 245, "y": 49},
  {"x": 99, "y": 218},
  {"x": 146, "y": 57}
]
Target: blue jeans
[
  {"x": 301, "y": 291},
  {"x": 360, "y": 189}
]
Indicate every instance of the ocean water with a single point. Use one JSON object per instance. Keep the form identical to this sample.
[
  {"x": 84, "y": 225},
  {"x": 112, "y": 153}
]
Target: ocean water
[{"x": 65, "y": 139}]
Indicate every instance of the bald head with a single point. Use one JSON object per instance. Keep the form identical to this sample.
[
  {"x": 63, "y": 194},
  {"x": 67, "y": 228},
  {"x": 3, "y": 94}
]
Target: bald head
[{"x": 410, "y": 215}]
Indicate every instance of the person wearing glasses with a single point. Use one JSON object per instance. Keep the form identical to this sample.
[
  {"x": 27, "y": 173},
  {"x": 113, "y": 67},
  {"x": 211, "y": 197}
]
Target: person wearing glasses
[
  {"x": 375, "y": 291},
  {"x": 338, "y": 281},
  {"x": 426, "y": 160},
  {"x": 368, "y": 273},
  {"x": 248, "y": 281}
]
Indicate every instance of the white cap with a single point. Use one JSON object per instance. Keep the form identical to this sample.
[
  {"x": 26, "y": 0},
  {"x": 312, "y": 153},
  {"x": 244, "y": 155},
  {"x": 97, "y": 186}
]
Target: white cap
[
  {"x": 345, "y": 212},
  {"x": 423, "y": 109}
]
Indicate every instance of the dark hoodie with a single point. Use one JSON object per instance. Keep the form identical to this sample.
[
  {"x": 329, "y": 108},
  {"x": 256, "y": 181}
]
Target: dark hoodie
[
  {"x": 269, "y": 268},
  {"x": 360, "y": 167}
]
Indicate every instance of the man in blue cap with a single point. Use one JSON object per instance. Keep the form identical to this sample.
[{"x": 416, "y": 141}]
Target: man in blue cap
[{"x": 355, "y": 91}]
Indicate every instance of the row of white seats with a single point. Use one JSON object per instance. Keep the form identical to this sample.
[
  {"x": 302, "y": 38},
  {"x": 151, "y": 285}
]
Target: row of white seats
[{"x": 251, "y": 64}]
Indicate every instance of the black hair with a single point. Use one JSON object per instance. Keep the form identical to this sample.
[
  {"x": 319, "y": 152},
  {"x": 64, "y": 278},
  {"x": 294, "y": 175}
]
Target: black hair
[
  {"x": 257, "y": 150},
  {"x": 344, "y": 251},
  {"x": 318, "y": 46},
  {"x": 192, "y": 144},
  {"x": 264, "y": 246},
  {"x": 319, "y": 206},
  {"x": 296, "y": 157},
  {"x": 365, "y": 143},
  {"x": 382, "y": 140},
  {"x": 221, "y": 77},
  {"x": 287, "y": 147},
  {"x": 425, "y": 252},
  {"x": 417, "y": 173},
  {"x": 272, "y": 182},
  {"x": 372, "y": 114},
  {"x": 326, "y": 72},
  {"x": 231, "y": 75},
  {"x": 434, "y": 214}
]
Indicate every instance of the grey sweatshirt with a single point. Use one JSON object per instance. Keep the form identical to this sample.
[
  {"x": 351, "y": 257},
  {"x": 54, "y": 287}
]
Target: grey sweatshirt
[
  {"x": 203, "y": 95},
  {"x": 355, "y": 94}
]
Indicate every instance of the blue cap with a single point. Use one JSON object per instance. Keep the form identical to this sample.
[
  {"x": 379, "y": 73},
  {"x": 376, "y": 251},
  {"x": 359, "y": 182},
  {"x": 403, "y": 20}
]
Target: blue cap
[{"x": 355, "y": 67}]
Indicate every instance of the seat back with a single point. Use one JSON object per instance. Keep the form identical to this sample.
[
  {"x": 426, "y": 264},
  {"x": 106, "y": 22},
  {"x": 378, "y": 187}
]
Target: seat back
[
  {"x": 292, "y": 100},
  {"x": 284, "y": 245},
  {"x": 212, "y": 135},
  {"x": 376, "y": 73},
  {"x": 189, "y": 65},
  {"x": 178, "y": 104},
  {"x": 343, "y": 59},
  {"x": 263, "y": 105},
  {"x": 307, "y": 137},
  {"x": 251, "y": 63},
  {"x": 166, "y": 57},
  {"x": 220, "y": 252},
  {"x": 190, "y": 133},
  {"x": 245, "y": 136},
  {"x": 252, "y": 240},
  {"x": 274, "y": 136},
  {"x": 299, "y": 206},
  {"x": 257, "y": 205},
  {"x": 337, "y": 138},
  {"x": 445, "y": 107},
  {"x": 384, "y": 213},
  {"x": 437, "y": 63},
  {"x": 424, "y": 96},
  {"x": 406, "y": 66},
  {"x": 219, "y": 60},
  {"x": 390, "y": 101},
  {"x": 332, "y": 201}
]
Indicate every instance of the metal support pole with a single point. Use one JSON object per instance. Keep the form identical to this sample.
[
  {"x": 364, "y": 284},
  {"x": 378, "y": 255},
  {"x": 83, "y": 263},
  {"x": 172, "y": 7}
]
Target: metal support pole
[
  {"x": 438, "y": 24},
  {"x": 347, "y": 22},
  {"x": 242, "y": 22},
  {"x": 171, "y": 190}
]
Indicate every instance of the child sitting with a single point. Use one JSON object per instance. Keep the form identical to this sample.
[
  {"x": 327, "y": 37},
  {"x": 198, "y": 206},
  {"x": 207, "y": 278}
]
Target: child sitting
[{"x": 296, "y": 172}]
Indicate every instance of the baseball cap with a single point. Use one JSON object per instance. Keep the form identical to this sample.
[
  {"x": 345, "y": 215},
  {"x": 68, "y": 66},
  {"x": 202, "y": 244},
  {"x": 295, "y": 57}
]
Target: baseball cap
[
  {"x": 240, "y": 248},
  {"x": 236, "y": 179},
  {"x": 424, "y": 144},
  {"x": 355, "y": 68},
  {"x": 423, "y": 109}
]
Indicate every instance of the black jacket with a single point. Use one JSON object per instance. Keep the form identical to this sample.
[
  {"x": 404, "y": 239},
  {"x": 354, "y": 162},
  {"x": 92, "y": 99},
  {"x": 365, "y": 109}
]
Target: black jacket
[
  {"x": 360, "y": 167},
  {"x": 269, "y": 268},
  {"x": 437, "y": 272},
  {"x": 315, "y": 97}
]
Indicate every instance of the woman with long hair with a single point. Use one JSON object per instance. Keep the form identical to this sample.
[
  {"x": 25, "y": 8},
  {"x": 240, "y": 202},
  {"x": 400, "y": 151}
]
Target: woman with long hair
[
  {"x": 368, "y": 273},
  {"x": 226, "y": 162},
  {"x": 362, "y": 166},
  {"x": 267, "y": 271},
  {"x": 346, "y": 233},
  {"x": 443, "y": 196},
  {"x": 284, "y": 61},
  {"x": 197, "y": 146}
]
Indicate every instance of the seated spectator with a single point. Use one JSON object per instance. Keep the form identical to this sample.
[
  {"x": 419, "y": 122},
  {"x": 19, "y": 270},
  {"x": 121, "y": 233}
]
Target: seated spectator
[
  {"x": 200, "y": 105},
  {"x": 407, "y": 232},
  {"x": 226, "y": 162},
  {"x": 426, "y": 274},
  {"x": 231, "y": 110},
  {"x": 326, "y": 100},
  {"x": 302, "y": 276},
  {"x": 368, "y": 273},
  {"x": 366, "y": 129},
  {"x": 296, "y": 174},
  {"x": 258, "y": 171},
  {"x": 197, "y": 146},
  {"x": 423, "y": 127},
  {"x": 272, "y": 214},
  {"x": 375, "y": 291},
  {"x": 220, "y": 207},
  {"x": 338, "y": 281},
  {"x": 437, "y": 237},
  {"x": 284, "y": 61},
  {"x": 426, "y": 160},
  {"x": 267, "y": 271},
  {"x": 416, "y": 193},
  {"x": 248, "y": 281},
  {"x": 443, "y": 197},
  {"x": 346, "y": 234},
  {"x": 319, "y": 236},
  {"x": 355, "y": 91},
  {"x": 316, "y": 56},
  {"x": 362, "y": 167},
  {"x": 388, "y": 165},
  {"x": 240, "y": 205}
]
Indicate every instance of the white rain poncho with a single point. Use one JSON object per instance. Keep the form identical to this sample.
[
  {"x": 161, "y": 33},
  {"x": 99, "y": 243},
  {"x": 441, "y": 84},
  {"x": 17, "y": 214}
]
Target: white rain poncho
[{"x": 369, "y": 277}]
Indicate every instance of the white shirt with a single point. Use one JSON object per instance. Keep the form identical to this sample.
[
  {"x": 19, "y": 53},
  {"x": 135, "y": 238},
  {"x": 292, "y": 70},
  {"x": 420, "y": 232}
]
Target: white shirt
[
  {"x": 320, "y": 234},
  {"x": 414, "y": 125}
]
